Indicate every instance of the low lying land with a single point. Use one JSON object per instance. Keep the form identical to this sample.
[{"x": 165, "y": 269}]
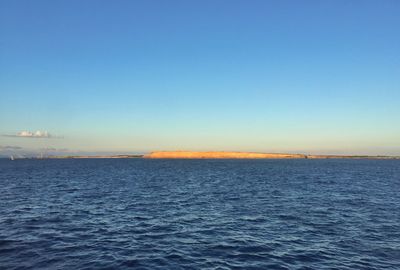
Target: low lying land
[
  {"x": 103, "y": 156},
  {"x": 199, "y": 155},
  {"x": 249, "y": 155},
  {"x": 219, "y": 155},
  {"x": 352, "y": 157}
]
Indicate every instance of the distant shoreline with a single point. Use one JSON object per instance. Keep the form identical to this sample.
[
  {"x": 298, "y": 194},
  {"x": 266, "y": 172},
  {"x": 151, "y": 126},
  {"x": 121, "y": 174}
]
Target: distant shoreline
[
  {"x": 94, "y": 156},
  {"x": 215, "y": 155},
  {"x": 251, "y": 155}
]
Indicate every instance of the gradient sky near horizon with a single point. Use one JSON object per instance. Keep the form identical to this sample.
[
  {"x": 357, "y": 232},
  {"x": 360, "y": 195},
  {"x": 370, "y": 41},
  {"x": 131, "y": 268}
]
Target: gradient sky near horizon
[{"x": 136, "y": 76}]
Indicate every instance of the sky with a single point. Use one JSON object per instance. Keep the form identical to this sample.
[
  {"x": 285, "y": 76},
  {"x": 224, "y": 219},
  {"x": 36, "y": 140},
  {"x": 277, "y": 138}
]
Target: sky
[{"x": 138, "y": 76}]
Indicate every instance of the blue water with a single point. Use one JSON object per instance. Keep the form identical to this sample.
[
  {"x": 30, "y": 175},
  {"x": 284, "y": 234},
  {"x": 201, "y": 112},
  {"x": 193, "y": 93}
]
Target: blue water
[{"x": 199, "y": 214}]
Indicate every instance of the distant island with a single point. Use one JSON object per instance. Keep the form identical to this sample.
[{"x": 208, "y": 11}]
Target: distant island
[
  {"x": 250, "y": 155},
  {"x": 220, "y": 155},
  {"x": 214, "y": 155}
]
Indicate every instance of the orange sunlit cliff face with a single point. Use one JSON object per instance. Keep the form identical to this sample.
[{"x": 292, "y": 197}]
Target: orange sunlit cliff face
[{"x": 241, "y": 155}]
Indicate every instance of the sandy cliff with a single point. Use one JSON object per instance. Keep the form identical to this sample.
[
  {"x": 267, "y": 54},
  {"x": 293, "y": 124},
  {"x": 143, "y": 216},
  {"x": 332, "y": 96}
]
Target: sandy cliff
[{"x": 241, "y": 155}]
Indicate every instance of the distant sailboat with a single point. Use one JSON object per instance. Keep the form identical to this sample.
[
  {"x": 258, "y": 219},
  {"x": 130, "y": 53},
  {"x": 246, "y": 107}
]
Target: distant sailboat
[{"x": 12, "y": 157}]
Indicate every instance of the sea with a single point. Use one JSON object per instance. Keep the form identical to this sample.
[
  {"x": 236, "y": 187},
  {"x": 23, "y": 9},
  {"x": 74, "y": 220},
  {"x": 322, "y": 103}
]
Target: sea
[{"x": 199, "y": 214}]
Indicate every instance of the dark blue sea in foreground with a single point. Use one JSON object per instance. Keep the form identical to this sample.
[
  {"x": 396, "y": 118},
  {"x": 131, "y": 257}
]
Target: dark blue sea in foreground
[{"x": 199, "y": 214}]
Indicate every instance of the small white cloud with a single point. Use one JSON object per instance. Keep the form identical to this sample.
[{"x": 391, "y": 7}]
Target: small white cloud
[
  {"x": 37, "y": 134},
  {"x": 30, "y": 134}
]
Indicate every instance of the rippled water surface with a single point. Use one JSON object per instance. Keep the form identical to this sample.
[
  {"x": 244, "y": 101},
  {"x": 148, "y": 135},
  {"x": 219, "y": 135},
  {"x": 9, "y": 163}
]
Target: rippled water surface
[{"x": 199, "y": 214}]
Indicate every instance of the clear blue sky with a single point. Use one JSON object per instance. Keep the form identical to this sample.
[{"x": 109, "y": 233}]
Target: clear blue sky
[{"x": 135, "y": 76}]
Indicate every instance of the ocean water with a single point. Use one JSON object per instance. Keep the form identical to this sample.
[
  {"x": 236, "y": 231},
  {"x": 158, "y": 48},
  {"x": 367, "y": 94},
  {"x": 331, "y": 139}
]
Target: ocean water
[{"x": 199, "y": 214}]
